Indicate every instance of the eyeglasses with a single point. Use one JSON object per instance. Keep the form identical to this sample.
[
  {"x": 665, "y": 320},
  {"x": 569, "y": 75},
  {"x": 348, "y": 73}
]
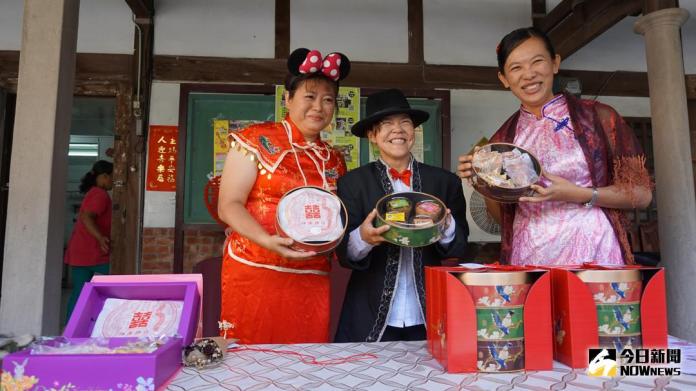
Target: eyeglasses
[{"x": 390, "y": 125}]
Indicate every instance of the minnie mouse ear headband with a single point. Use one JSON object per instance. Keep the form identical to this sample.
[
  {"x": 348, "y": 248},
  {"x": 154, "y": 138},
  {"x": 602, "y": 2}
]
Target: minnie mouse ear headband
[{"x": 334, "y": 66}]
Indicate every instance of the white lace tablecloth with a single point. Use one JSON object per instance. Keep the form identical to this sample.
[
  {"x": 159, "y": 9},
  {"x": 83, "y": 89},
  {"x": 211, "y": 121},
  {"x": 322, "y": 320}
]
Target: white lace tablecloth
[{"x": 401, "y": 366}]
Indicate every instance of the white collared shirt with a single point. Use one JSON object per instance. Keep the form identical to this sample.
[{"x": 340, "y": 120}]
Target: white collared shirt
[{"x": 405, "y": 309}]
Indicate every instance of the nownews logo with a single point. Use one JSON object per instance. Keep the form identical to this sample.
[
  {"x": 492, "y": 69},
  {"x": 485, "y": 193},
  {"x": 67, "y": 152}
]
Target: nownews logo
[{"x": 634, "y": 362}]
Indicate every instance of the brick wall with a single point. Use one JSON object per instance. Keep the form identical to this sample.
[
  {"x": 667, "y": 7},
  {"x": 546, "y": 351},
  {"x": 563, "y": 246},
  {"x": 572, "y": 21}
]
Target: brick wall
[{"x": 158, "y": 248}]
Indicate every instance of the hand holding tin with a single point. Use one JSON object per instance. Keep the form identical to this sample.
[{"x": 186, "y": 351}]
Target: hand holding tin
[
  {"x": 369, "y": 233},
  {"x": 282, "y": 246},
  {"x": 560, "y": 189},
  {"x": 465, "y": 169}
]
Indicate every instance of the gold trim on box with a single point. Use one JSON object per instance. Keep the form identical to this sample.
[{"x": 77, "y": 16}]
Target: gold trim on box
[
  {"x": 619, "y": 335},
  {"x": 609, "y": 275},
  {"x": 495, "y": 278},
  {"x": 506, "y": 340}
]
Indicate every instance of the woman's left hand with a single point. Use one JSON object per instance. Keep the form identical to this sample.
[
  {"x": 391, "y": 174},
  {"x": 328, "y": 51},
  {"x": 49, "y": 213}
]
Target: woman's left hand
[{"x": 560, "y": 189}]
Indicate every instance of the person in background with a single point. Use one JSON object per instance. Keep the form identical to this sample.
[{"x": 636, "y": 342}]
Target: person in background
[
  {"x": 593, "y": 165},
  {"x": 89, "y": 247},
  {"x": 385, "y": 298},
  {"x": 270, "y": 292}
]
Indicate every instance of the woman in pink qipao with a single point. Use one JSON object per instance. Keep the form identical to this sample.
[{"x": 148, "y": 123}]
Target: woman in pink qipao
[{"x": 593, "y": 166}]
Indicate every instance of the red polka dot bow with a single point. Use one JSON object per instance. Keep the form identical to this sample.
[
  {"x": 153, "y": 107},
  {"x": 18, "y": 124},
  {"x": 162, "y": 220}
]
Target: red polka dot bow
[{"x": 329, "y": 65}]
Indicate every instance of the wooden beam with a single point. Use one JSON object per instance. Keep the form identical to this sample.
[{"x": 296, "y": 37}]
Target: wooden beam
[
  {"x": 282, "y": 29},
  {"x": 384, "y": 75},
  {"x": 691, "y": 87},
  {"x": 572, "y": 25},
  {"x": 538, "y": 12},
  {"x": 415, "y": 32},
  {"x": 105, "y": 68},
  {"x": 556, "y": 15},
  {"x": 142, "y": 9},
  {"x": 88, "y": 66}
]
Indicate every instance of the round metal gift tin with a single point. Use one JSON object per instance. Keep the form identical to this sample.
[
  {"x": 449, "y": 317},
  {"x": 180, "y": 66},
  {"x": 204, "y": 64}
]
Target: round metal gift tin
[
  {"x": 618, "y": 319},
  {"x": 615, "y": 292},
  {"x": 408, "y": 234},
  {"x": 500, "y": 356},
  {"x": 503, "y": 194},
  {"x": 320, "y": 247},
  {"x": 499, "y": 295},
  {"x": 499, "y": 323},
  {"x": 621, "y": 342}
]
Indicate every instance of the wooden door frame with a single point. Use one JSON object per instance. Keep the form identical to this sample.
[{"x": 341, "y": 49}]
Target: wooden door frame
[{"x": 126, "y": 197}]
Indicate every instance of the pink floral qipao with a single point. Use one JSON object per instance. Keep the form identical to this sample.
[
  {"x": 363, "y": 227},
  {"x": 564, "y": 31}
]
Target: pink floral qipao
[{"x": 558, "y": 232}]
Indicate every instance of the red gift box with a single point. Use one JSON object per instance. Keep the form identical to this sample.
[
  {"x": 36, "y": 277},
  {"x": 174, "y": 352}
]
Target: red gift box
[
  {"x": 451, "y": 319},
  {"x": 575, "y": 313}
]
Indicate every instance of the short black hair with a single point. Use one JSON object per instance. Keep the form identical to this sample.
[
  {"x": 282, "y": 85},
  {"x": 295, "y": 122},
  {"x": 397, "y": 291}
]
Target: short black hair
[{"x": 515, "y": 38}]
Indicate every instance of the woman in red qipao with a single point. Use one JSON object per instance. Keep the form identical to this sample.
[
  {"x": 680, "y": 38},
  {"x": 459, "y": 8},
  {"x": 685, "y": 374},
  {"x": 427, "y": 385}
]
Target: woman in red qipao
[
  {"x": 593, "y": 166},
  {"x": 270, "y": 292}
]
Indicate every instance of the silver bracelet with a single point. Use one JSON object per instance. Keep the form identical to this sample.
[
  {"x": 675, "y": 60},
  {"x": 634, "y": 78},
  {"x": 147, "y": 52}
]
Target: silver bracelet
[{"x": 592, "y": 200}]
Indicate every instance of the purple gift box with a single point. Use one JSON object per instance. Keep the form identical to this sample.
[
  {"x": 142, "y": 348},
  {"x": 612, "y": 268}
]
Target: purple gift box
[{"x": 110, "y": 371}]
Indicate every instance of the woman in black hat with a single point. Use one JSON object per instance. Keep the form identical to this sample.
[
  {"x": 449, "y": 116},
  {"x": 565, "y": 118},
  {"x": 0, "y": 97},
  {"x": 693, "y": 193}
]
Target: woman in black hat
[
  {"x": 385, "y": 299},
  {"x": 267, "y": 294}
]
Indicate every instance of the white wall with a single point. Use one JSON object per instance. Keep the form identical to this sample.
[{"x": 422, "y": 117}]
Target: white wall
[
  {"x": 467, "y": 32},
  {"x": 160, "y": 206},
  {"x": 215, "y": 28},
  {"x": 365, "y": 30},
  {"x": 11, "y": 14},
  {"x": 105, "y": 26}
]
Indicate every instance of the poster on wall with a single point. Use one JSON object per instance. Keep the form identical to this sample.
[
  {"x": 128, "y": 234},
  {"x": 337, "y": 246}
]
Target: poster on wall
[
  {"x": 161, "y": 158},
  {"x": 338, "y": 132},
  {"x": 221, "y": 143}
]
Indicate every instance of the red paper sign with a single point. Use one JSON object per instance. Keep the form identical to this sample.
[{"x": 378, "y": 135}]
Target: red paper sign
[{"x": 161, "y": 158}]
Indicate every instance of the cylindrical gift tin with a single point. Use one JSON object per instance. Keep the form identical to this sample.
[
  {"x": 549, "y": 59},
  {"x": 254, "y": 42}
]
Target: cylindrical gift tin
[
  {"x": 499, "y": 323},
  {"x": 615, "y": 292},
  {"x": 620, "y": 342},
  {"x": 609, "y": 275},
  {"x": 497, "y": 289},
  {"x": 618, "y": 319},
  {"x": 492, "y": 278},
  {"x": 613, "y": 286},
  {"x": 409, "y": 233},
  {"x": 500, "y": 356},
  {"x": 311, "y": 216}
]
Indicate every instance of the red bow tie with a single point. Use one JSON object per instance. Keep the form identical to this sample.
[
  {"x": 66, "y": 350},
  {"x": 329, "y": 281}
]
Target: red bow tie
[{"x": 404, "y": 176}]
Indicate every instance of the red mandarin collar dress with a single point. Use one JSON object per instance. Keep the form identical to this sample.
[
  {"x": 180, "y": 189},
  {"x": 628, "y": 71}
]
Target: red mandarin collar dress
[{"x": 268, "y": 298}]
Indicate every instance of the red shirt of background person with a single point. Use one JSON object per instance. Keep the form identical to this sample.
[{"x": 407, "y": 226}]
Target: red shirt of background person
[
  {"x": 89, "y": 246},
  {"x": 89, "y": 242}
]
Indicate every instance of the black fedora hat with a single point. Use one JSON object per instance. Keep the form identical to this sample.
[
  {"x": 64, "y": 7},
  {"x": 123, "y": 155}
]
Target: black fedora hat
[{"x": 385, "y": 103}]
